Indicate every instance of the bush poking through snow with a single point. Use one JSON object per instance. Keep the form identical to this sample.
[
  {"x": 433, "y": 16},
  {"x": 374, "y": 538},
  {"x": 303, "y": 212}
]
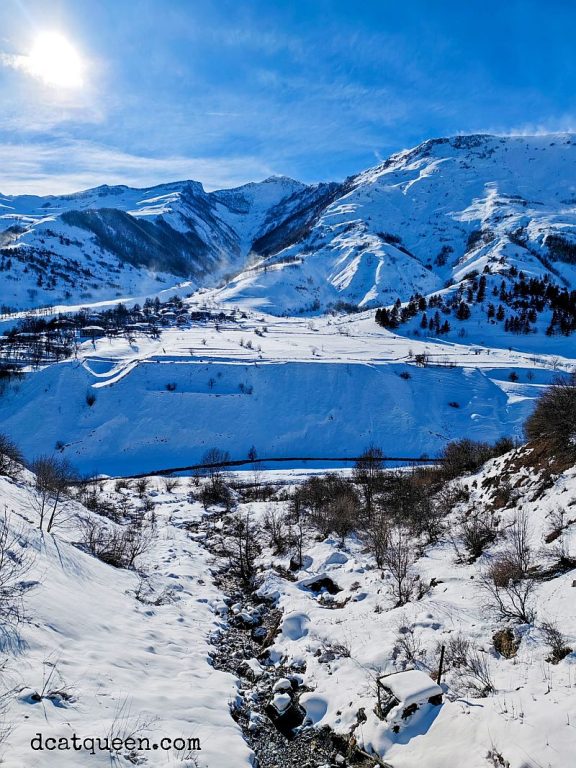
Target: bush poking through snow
[
  {"x": 508, "y": 581},
  {"x": 466, "y": 455},
  {"x": 510, "y": 596},
  {"x": 242, "y": 548},
  {"x": 558, "y": 644},
  {"x": 119, "y": 546},
  {"x": 399, "y": 556},
  {"x": 474, "y": 674},
  {"x": 170, "y": 484},
  {"x": 369, "y": 475},
  {"x": 332, "y": 504},
  {"x": 408, "y": 643},
  {"x": 506, "y": 642},
  {"x": 476, "y": 532},
  {"x": 275, "y": 525}
]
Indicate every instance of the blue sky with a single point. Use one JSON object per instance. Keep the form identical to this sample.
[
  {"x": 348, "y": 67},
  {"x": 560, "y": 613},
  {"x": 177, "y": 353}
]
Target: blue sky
[{"x": 227, "y": 92}]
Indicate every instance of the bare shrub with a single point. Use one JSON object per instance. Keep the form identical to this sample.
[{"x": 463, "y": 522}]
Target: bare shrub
[
  {"x": 275, "y": 525},
  {"x": 407, "y": 500},
  {"x": 554, "y": 417},
  {"x": 242, "y": 547},
  {"x": 119, "y": 546},
  {"x": 368, "y": 474},
  {"x": 398, "y": 557},
  {"x": 557, "y": 523},
  {"x": 474, "y": 674},
  {"x": 216, "y": 492},
  {"x": 456, "y": 651},
  {"x": 465, "y": 455},
  {"x": 332, "y": 504},
  {"x": 476, "y": 533},
  {"x": 142, "y": 485},
  {"x": 127, "y": 728},
  {"x": 377, "y": 537},
  {"x": 11, "y": 457},
  {"x": 508, "y": 582},
  {"x": 332, "y": 649},
  {"x": 510, "y": 595},
  {"x": 170, "y": 484},
  {"x": 557, "y": 642},
  {"x": 408, "y": 643}
]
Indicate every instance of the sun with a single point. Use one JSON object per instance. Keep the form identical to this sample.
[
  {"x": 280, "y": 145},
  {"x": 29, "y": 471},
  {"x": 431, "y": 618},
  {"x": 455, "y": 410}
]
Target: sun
[{"x": 55, "y": 61}]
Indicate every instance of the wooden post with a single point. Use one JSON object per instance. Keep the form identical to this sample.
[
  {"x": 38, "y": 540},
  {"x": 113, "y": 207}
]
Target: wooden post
[{"x": 441, "y": 664}]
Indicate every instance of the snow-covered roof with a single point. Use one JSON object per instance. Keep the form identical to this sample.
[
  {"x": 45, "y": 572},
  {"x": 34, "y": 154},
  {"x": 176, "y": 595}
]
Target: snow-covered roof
[{"x": 411, "y": 686}]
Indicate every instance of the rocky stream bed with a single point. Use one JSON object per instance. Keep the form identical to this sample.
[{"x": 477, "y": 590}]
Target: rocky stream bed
[{"x": 267, "y": 708}]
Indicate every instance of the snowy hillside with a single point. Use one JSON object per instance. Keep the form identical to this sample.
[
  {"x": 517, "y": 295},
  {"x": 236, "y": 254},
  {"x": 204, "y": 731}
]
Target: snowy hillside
[
  {"x": 323, "y": 387},
  {"x": 187, "y": 643},
  {"x": 103, "y": 652}
]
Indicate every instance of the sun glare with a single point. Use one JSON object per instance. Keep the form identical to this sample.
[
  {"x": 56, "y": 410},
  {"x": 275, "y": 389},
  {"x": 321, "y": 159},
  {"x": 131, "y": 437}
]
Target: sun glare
[{"x": 54, "y": 60}]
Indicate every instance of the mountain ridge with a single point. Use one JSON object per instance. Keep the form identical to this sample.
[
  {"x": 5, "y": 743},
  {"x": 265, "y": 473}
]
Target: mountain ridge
[{"x": 422, "y": 219}]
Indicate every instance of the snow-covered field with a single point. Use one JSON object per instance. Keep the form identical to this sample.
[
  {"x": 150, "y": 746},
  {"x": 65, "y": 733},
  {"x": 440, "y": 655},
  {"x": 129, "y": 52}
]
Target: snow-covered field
[{"x": 315, "y": 387}]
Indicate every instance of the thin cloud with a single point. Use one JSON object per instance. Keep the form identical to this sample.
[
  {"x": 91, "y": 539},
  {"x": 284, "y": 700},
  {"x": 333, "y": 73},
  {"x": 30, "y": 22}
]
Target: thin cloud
[{"x": 39, "y": 168}]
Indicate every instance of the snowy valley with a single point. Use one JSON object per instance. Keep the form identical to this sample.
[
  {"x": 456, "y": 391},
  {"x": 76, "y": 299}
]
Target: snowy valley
[{"x": 262, "y": 448}]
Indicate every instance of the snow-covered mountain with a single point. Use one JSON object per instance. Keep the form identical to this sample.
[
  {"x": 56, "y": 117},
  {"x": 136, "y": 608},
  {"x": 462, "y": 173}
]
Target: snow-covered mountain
[
  {"x": 424, "y": 219},
  {"x": 111, "y": 242}
]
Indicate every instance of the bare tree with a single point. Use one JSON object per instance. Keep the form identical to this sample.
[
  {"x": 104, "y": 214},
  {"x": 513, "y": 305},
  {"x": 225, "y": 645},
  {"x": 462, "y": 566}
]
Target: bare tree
[
  {"x": 275, "y": 525},
  {"x": 142, "y": 484},
  {"x": 377, "y": 536},
  {"x": 213, "y": 459},
  {"x": 399, "y": 557},
  {"x": 509, "y": 582},
  {"x": 53, "y": 479},
  {"x": 368, "y": 474},
  {"x": 296, "y": 521},
  {"x": 243, "y": 548},
  {"x": 519, "y": 551},
  {"x": 15, "y": 563}
]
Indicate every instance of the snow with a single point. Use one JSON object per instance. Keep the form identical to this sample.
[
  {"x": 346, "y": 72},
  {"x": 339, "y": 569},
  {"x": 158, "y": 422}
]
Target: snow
[
  {"x": 113, "y": 652},
  {"x": 411, "y": 687},
  {"x": 295, "y": 382},
  {"x": 118, "y": 658},
  {"x": 291, "y": 387}
]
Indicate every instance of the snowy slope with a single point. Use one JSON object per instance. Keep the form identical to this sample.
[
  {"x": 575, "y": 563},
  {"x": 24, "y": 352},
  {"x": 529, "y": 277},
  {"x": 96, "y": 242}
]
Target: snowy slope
[
  {"x": 344, "y": 642},
  {"x": 116, "y": 663}
]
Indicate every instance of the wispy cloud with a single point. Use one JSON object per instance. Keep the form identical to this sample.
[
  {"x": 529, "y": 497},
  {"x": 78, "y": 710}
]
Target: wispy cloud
[{"x": 71, "y": 166}]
